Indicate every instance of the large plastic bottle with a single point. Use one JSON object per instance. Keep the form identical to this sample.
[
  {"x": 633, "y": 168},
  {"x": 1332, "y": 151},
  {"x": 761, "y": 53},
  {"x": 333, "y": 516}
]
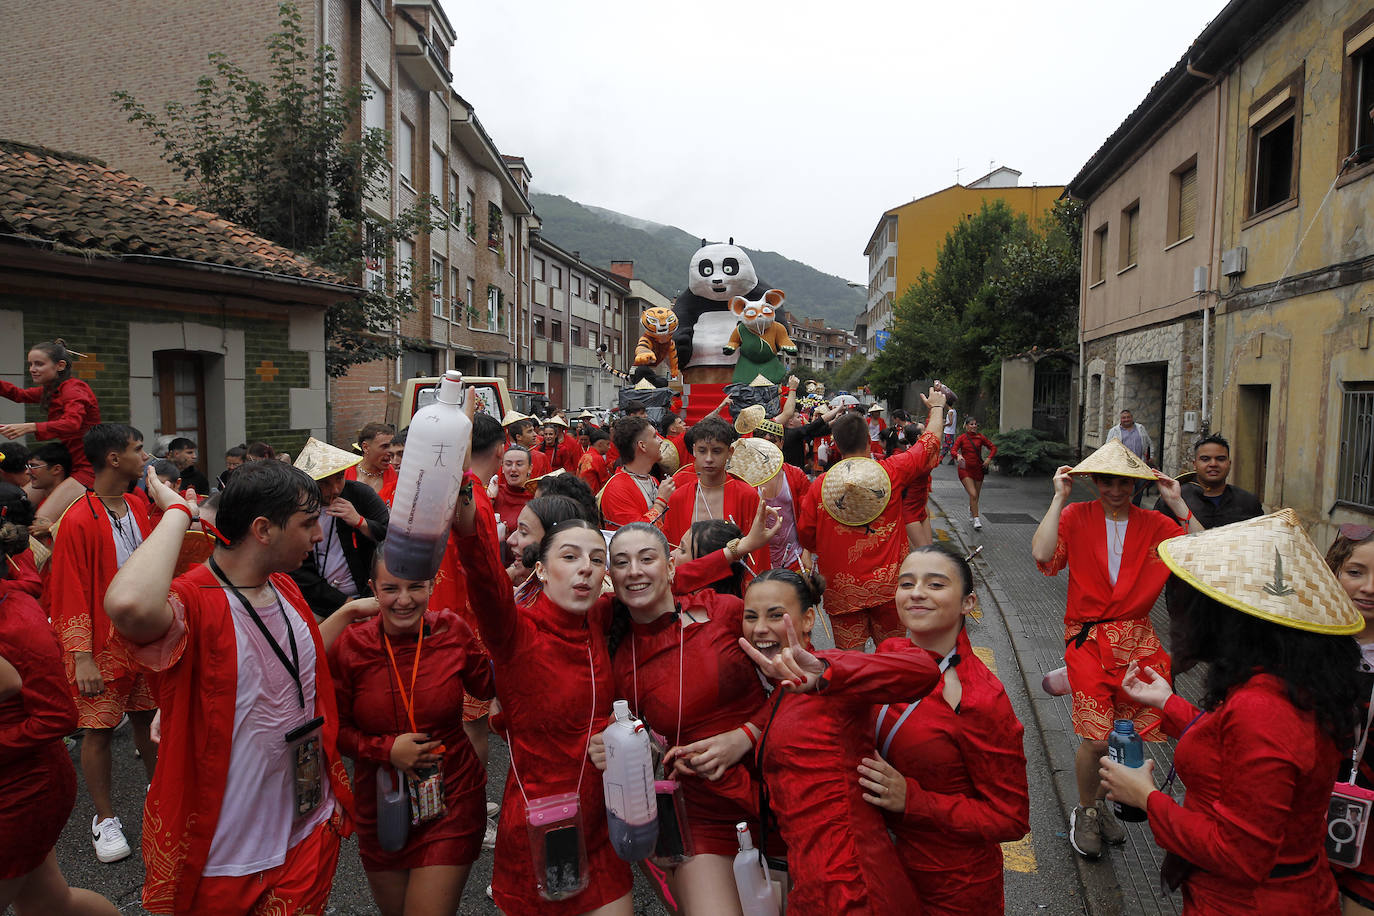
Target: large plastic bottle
[
  {"x": 631, "y": 808},
  {"x": 1125, "y": 747},
  {"x": 751, "y": 878},
  {"x": 427, "y": 486}
]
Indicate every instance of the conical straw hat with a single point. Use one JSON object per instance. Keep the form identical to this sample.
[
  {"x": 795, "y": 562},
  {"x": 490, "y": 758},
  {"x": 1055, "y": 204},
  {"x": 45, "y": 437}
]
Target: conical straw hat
[
  {"x": 512, "y": 416},
  {"x": 644, "y": 385},
  {"x": 1266, "y": 567},
  {"x": 755, "y": 461},
  {"x": 320, "y": 459},
  {"x": 748, "y": 419},
  {"x": 555, "y": 420},
  {"x": 856, "y": 491},
  {"x": 1114, "y": 458},
  {"x": 760, "y": 382},
  {"x": 668, "y": 458}
]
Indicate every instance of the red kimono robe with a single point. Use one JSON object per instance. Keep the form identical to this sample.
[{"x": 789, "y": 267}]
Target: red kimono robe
[
  {"x": 1259, "y": 773},
  {"x": 197, "y": 665},
  {"x": 509, "y": 501},
  {"x": 565, "y": 454},
  {"x": 623, "y": 501},
  {"x": 72, "y": 411},
  {"x": 839, "y": 854},
  {"x": 966, "y": 788},
  {"x": 740, "y": 502},
  {"x": 372, "y": 715},
  {"x": 451, "y": 591},
  {"x": 592, "y": 468},
  {"x": 860, "y": 563},
  {"x": 389, "y": 475}
]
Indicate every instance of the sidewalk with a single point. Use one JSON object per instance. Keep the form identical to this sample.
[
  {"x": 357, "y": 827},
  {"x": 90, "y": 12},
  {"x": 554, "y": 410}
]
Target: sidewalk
[{"x": 1126, "y": 879}]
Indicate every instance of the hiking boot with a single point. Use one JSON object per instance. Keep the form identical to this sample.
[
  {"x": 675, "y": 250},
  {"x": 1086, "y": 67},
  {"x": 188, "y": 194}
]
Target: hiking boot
[
  {"x": 1112, "y": 830},
  {"x": 107, "y": 837},
  {"x": 1085, "y": 833}
]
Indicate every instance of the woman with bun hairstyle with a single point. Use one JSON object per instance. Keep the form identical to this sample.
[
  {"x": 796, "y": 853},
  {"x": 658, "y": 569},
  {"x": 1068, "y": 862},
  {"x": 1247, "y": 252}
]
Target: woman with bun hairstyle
[
  {"x": 950, "y": 772},
  {"x": 69, "y": 402},
  {"x": 1278, "y": 717},
  {"x": 817, "y": 729}
]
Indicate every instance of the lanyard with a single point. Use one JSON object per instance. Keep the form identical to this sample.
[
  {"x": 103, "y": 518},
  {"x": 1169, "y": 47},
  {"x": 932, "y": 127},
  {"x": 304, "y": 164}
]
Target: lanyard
[
  {"x": 1359, "y": 748},
  {"x": 292, "y": 666},
  {"x": 951, "y": 659},
  {"x": 321, "y": 551},
  {"x": 407, "y": 701},
  {"x": 591, "y": 726}
]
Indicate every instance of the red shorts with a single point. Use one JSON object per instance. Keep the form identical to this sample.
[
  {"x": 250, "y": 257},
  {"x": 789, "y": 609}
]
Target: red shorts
[
  {"x": 300, "y": 885},
  {"x": 126, "y": 690},
  {"x": 1096, "y": 670},
  {"x": 852, "y": 630}
]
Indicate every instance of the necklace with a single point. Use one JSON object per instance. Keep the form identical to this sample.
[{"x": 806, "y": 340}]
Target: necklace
[
  {"x": 366, "y": 473},
  {"x": 701, "y": 497},
  {"x": 1116, "y": 540}
]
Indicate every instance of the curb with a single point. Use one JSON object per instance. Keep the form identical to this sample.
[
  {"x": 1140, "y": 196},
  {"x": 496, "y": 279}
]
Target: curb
[{"x": 1100, "y": 890}]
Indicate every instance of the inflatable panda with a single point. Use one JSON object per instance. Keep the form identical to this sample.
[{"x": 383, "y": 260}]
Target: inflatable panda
[{"x": 718, "y": 273}]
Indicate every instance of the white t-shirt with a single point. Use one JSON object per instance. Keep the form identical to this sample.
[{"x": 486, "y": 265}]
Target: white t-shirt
[
  {"x": 257, "y": 824},
  {"x": 1116, "y": 541},
  {"x": 330, "y": 559},
  {"x": 126, "y": 534},
  {"x": 951, "y": 421}
]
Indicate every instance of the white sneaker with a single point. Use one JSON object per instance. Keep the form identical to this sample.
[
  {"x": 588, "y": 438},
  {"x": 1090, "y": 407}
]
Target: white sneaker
[
  {"x": 489, "y": 838},
  {"x": 108, "y": 838},
  {"x": 977, "y": 523},
  {"x": 493, "y": 809}
]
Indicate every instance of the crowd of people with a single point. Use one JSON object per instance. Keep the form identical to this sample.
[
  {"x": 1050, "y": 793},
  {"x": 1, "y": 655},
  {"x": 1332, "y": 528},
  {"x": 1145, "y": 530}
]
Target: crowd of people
[{"x": 286, "y": 689}]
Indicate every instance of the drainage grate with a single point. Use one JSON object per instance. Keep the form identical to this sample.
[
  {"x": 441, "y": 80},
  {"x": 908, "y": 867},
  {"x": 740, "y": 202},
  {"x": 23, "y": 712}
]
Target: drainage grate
[{"x": 1011, "y": 518}]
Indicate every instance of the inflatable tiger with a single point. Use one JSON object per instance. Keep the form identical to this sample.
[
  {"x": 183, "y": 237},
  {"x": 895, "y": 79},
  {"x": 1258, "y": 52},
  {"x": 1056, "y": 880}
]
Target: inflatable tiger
[{"x": 654, "y": 348}]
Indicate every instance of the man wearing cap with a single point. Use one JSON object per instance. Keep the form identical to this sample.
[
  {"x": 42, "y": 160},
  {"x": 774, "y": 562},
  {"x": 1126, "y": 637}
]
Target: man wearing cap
[
  {"x": 353, "y": 523},
  {"x": 592, "y": 468},
  {"x": 560, "y": 448},
  {"x": 1115, "y": 576},
  {"x": 524, "y": 432},
  {"x": 853, "y": 524}
]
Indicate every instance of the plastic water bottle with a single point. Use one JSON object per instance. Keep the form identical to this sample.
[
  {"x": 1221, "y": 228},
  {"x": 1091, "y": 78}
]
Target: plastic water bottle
[
  {"x": 393, "y": 810},
  {"x": 751, "y": 877},
  {"x": 631, "y": 806},
  {"x": 427, "y": 486},
  {"x": 1125, "y": 747}
]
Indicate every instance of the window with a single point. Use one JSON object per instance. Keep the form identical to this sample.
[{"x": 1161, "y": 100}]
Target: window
[
  {"x": 1183, "y": 202},
  {"x": 179, "y": 390},
  {"x": 1099, "y": 254},
  {"x": 374, "y": 109},
  {"x": 539, "y": 327},
  {"x": 557, "y": 335},
  {"x": 405, "y": 264},
  {"x": 1130, "y": 237},
  {"x": 1353, "y": 481},
  {"x": 557, "y": 277},
  {"x": 467, "y": 299},
  {"x": 455, "y": 208},
  {"x": 577, "y": 335},
  {"x": 593, "y": 293},
  {"x": 472, "y": 214},
  {"x": 494, "y": 232},
  {"x": 374, "y": 263},
  {"x": 510, "y": 253},
  {"x": 456, "y": 304},
  {"x": 539, "y": 269},
  {"x": 405, "y": 151},
  {"x": 436, "y": 178},
  {"x": 1275, "y": 133},
  {"x": 576, "y": 285},
  {"x": 436, "y": 274},
  {"x": 591, "y": 340},
  {"x": 493, "y": 307}
]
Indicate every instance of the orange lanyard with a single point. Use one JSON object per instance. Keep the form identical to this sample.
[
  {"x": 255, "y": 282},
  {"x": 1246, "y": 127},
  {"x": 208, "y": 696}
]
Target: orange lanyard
[{"x": 407, "y": 701}]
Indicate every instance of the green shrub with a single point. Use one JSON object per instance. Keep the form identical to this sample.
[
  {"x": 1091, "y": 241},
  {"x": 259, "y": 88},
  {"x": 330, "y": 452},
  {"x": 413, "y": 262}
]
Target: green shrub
[{"x": 1022, "y": 452}]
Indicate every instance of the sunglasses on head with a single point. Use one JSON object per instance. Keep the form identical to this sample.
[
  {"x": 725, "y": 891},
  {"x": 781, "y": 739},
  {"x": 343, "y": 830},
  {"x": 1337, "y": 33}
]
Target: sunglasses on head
[{"x": 1356, "y": 532}]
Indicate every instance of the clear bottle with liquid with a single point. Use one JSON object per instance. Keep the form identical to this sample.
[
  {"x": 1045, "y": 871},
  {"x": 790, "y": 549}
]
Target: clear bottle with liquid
[
  {"x": 427, "y": 487},
  {"x": 628, "y": 782},
  {"x": 751, "y": 877},
  {"x": 1125, "y": 747}
]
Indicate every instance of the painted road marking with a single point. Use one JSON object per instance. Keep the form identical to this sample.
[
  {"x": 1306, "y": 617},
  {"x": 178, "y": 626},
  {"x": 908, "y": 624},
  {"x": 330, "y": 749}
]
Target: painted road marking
[{"x": 1020, "y": 855}]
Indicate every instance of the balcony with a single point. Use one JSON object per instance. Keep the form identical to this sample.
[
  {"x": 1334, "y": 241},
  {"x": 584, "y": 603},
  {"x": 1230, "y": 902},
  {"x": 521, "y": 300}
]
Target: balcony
[{"x": 416, "y": 51}]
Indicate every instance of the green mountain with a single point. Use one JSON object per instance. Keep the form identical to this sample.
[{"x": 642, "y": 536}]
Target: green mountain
[{"x": 662, "y": 254}]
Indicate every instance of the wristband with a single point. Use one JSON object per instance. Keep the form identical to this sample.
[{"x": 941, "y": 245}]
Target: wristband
[
  {"x": 749, "y": 733},
  {"x": 184, "y": 508},
  {"x": 1189, "y": 518}
]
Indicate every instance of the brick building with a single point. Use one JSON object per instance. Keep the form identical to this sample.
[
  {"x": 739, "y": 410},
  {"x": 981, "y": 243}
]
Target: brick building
[
  {"x": 819, "y": 346},
  {"x": 190, "y": 325}
]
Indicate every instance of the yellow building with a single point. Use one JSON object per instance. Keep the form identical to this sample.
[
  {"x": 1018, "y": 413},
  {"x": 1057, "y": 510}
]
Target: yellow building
[
  {"x": 1269, "y": 344},
  {"x": 908, "y": 237}
]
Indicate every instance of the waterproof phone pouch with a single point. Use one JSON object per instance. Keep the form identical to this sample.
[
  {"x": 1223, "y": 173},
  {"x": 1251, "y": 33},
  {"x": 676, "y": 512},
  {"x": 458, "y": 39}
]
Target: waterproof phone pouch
[
  {"x": 426, "y": 794},
  {"x": 674, "y": 844},
  {"x": 393, "y": 810},
  {"x": 307, "y": 764},
  {"x": 1347, "y": 819},
  {"x": 558, "y": 845}
]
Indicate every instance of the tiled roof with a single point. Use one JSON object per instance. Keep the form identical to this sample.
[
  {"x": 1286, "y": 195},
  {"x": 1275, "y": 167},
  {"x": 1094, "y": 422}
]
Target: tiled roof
[{"x": 78, "y": 204}]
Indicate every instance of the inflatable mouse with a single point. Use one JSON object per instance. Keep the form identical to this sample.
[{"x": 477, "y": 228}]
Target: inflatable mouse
[{"x": 759, "y": 337}]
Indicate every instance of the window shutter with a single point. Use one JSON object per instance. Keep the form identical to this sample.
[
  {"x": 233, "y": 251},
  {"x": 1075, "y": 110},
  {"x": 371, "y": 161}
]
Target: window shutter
[
  {"x": 1133, "y": 238},
  {"x": 1187, "y": 203}
]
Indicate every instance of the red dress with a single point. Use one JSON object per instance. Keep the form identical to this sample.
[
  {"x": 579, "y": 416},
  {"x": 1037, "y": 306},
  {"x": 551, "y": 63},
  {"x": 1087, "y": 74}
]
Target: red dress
[
  {"x": 372, "y": 715},
  {"x": 72, "y": 411},
  {"x": 720, "y": 691},
  {"x": 1259, "y": 773},
  {"x": 451, "y": 593},
  {"x": 509, "y": 501},
  {"x": 915, "y": 497},
  {"x": 554, "y": 677},
  {"x": 966, "y": 790},
  {"x": 37, "y": 780},
  {"x": 565, "y": 454},
  {"x": 970, "y": 449},
  {"x": 839, "y": 855}
]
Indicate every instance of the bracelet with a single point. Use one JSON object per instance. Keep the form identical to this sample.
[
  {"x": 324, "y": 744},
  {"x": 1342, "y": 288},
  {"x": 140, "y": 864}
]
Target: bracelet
[
  {"x": 749, "y": 733},
  {"x": 1189, "y": 518},
  {"x": 660, "y": 499},
  {"x": 183, "y": 507}
]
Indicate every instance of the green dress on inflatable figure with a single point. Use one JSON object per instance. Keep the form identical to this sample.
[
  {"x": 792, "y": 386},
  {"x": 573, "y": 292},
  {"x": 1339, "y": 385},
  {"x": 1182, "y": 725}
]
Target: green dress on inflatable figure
[{"x": 759, "y": 338}]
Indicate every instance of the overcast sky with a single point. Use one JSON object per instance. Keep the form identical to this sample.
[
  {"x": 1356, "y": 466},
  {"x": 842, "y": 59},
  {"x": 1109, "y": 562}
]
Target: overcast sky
[{"x": 793, "y": 125}]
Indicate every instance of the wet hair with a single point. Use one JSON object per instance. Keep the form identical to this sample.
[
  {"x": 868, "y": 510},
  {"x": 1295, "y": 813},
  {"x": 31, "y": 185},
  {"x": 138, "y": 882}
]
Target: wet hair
[
  {"x": 56, "y": 454},
  {"x": 551, "y": 511},
  {"x": 850, "y": 432},
  {"x": 55, "y": 350},
  {"x": 103, "y": 438},
  {"x": 965, "y": 571},
  {"x": 574, "y": 488},
  {"x": 272, "y": 490},
  {"x": 1341, "y": 549},
  {"x": 167, "y": 470},
  {"x": 619, "y": 626},
  {"x": 1320, "y": 672},
  {"x": 260, "y": 451},
  {"x": 486, "y": 434},
  {"x": 1213, "y": 439},
  {"x": 373, "y": 430},
  {"x": 546, "y": 544},
  {"x": 808, "y": 593},
  {"x": 627, "y": 430},
  {"x": 666, "y": 422},
  {"x": 711, "y": 429},
  {"x": 14, "y": 457},
  {"x": 713, "y": 534},
  {"x": 16, "y": 514}
]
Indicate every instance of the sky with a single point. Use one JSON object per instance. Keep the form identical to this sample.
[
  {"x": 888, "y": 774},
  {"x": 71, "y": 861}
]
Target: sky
[{"x": 792, "y": 126}]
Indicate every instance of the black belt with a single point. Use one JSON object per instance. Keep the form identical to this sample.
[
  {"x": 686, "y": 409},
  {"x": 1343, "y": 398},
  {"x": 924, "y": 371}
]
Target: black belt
[
  {"x": 1082, "y": 635},
  {"x": 1175, "y": 870},
  {"x": 1289, "y": 869}
]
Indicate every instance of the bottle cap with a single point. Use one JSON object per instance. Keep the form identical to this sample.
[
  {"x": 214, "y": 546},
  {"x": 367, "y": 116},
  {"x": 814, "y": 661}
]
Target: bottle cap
[
  {"x": 621, "y": 709},
  {"x": 746, "y": 839},
  {"x": 1124, "y": 726},
  {"x": 451, "y": 388}
]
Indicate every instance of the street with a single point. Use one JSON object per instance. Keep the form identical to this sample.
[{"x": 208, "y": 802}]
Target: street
[{"x": 1019, "y": 638}]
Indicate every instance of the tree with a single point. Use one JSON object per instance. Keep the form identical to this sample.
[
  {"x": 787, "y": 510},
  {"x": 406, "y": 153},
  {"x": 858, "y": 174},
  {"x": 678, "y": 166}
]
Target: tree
[
  {"x": 287, "y": 158},
  {"x": 999, "y": 288}
]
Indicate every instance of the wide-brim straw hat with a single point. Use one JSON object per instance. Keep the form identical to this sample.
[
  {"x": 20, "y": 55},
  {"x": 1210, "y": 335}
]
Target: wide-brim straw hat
[
  {"x": 512, "y": 416},
  {"x": 668, "y": 458},
  {"x": 749, "y": 418},
  {"x": 856, "y": 491},
  {"x": 1266, "y": 567},
  {"x": 755, "y": 461},
  {"x": 876, "y": 408},
  {"x": 1115, "y": 458},
  {"x": 771, "y": 427},
  {"x": 320, "y": 459},
  {"x": 533, "y": 483}
]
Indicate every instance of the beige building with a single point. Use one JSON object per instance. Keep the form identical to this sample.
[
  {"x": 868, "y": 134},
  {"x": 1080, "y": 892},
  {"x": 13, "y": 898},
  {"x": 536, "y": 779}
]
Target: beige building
[
  {"x": 1227, "y": 257},
  {"x": 819, "y": 346}
]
